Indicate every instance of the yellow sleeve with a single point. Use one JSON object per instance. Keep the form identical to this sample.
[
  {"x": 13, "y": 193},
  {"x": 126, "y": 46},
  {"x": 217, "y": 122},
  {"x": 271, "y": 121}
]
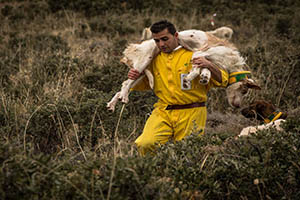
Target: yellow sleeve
[{"x": 225, "y": 77}]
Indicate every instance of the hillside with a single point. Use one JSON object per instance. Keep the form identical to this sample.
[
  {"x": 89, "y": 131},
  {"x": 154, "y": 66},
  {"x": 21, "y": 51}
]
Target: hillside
[{"x": 59, "y": 66}]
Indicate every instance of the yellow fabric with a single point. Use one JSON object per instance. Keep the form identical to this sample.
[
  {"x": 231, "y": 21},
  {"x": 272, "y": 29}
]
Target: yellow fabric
[
  {"x": 276, "y": 116},
  {"x": 163, "y": 124},
  {"x": 236, "y": 76},
  {"x": 240, "y": 72},
  {"x": 167, "y": 70}
]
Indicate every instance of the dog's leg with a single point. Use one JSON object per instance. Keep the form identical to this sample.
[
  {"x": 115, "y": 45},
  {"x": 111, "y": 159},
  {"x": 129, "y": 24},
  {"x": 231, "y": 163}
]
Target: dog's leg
[
  {"x": 126, "y": 86},
  {"x": 193, "y": 74},
  {"x": 112, "y": 104},
  {"x": 150, "y": 78},
  {"x": 123, "y": 94},
  {"x": 204, "y": 75}
]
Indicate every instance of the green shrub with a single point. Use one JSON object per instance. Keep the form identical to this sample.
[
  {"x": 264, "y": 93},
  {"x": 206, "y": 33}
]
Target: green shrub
[
  {"x": 59, "y": 141},
  {"x": 252, "y": 167}
]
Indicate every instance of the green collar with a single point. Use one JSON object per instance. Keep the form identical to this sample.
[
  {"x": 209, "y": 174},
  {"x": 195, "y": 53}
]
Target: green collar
[
  {"x": 238, "y": 76},
  {"x": 274, "y": 116}
]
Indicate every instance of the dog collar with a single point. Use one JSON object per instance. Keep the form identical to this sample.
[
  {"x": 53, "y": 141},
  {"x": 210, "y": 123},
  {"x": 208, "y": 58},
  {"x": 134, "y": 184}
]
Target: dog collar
[
  {"x": 274, "y": 116},
  {"x": 238, "y": 76}
]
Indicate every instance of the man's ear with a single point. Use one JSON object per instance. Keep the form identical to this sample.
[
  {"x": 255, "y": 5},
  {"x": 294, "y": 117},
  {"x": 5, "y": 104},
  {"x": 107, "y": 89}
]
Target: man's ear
[
  {"x": 176, "y": 34},
  {"x": 251, "y": 84}
]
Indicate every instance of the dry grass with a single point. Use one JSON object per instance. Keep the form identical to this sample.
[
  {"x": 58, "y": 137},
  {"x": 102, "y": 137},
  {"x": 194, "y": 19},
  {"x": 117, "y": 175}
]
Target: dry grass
[{"x": 59, "y": 67}]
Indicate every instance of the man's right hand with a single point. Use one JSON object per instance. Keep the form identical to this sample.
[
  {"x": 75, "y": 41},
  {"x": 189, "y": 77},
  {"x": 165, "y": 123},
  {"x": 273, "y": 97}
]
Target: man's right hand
[
  {"x": 133, "y": 74},
  {"x": 201, "y": 62}
]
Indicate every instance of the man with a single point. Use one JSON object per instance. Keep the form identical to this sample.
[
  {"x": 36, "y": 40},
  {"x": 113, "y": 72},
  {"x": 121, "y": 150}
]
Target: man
[{"x": 180, "y": 109}]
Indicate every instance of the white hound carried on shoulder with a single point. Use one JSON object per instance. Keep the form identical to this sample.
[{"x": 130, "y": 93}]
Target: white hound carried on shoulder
[{"x": 205, "y": 44}]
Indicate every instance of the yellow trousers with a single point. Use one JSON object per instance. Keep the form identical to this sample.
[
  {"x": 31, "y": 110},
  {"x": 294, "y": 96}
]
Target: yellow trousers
[{"x": 163, "y": 125}]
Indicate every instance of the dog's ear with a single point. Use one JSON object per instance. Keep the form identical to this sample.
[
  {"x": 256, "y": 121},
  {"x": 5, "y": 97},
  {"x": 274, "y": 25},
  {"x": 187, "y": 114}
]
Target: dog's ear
[
  {"x": 255, "y": 110},
  {"x": 264, "y": 108},
  {"x": 123, "y": 60},
  {"x": 146, "y": 34},
  {"x": 126, "y": 62},
  {"x": 249, "y": 83}
]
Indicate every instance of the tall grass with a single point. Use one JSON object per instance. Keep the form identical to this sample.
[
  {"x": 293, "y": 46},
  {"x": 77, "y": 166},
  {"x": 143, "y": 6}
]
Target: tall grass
[{"x": 59, "y": 66}]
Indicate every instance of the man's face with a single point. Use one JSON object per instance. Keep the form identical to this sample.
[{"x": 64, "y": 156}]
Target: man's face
[{"x": 165, "y": 41}]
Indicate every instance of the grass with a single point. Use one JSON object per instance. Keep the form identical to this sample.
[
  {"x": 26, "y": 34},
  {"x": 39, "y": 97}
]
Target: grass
[{"x": 59, "y": 66}]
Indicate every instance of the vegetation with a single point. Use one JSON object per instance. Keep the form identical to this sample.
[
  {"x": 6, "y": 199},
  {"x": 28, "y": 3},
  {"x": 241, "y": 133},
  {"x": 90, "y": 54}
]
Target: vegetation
[{"x": 59, "y": 66}]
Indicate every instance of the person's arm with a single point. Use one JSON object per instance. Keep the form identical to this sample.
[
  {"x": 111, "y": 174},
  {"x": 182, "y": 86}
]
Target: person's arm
[
  {"x": 134, "y": 74},
  {"x": 202, "y": 62}
]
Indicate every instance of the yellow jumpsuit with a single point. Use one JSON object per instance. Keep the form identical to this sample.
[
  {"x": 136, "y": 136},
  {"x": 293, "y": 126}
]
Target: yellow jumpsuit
[{"x": 168, "y": 70}]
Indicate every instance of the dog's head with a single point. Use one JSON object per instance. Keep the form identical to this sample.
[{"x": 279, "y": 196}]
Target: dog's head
[
  {"x": 126, "y": 62},
  {"x": 260, "y": 110},
  {"x": 236, "y": 91},
  {"x": 130, "y": 54}
]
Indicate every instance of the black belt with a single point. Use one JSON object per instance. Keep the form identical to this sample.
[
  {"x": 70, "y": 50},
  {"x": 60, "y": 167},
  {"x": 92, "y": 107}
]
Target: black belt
[{"x": 185, "y": 106}]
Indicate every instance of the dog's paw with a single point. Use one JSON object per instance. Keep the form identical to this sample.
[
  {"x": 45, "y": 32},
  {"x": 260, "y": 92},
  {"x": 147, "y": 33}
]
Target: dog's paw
[
  {"x": 205, "y": 76},
  {"x": 204, "y": 79},
  {"x": 124, "y": 98},
  {"x": 112, "y": 104},
  {"x": 111, "y": 107}
]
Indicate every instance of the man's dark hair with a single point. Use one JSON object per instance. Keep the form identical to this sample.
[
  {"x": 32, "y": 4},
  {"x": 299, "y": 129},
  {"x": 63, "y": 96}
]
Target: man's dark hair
[{"x": 162, "y": 25}]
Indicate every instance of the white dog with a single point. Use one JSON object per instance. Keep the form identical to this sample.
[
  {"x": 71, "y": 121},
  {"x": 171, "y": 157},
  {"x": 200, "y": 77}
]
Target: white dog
[
  {"x": 222, "y": 32},
  {"x": 218, "y": 51}
]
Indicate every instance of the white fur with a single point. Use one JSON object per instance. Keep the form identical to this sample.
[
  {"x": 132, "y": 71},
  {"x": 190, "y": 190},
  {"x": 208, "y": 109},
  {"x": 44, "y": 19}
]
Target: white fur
[
  {"x": 225, "y": 57},
  {"x": 146, "y": 34},
  {"x": 253, "y": 129},
  {"x": 193, "y": 40},
  {"x": 222, "y": 32},
  {"x": 139, "y": 57},
  {"x": 204, "y": 73},
  {"x": 230, "y": 60}
]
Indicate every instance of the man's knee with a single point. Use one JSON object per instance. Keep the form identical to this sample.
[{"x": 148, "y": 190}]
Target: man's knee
[{"x": 145, "y": 145}]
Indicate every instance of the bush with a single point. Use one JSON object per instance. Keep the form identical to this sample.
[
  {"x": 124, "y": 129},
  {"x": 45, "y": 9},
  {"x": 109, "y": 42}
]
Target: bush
[
  {"x": 59, "y": 66},
  {"x": 252, "y": 167}
]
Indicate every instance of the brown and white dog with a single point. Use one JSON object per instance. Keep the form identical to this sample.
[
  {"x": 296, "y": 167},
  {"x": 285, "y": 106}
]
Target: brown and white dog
[
  {"x": 263, "y": 111},
  {"x": 219, "y": 51}
]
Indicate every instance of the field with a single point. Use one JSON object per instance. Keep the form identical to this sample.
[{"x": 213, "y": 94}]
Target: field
[{"x": 59, "y": 66}]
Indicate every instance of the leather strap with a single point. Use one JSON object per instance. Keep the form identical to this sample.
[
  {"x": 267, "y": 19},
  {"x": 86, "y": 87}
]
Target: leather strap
[{"x": 185, "y": 106}]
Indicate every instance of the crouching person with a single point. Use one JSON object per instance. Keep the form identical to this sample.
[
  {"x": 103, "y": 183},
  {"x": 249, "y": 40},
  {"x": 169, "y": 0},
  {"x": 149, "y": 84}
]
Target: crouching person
[{"x": 181, "y": 106}]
